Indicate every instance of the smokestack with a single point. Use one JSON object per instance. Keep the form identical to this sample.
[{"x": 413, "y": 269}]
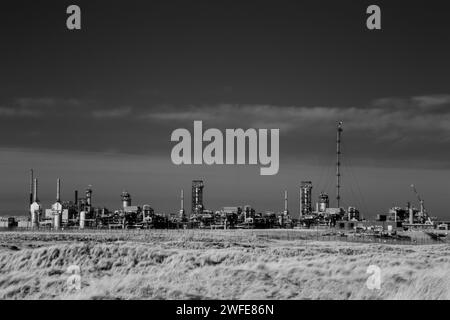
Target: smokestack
[
  {"x": 182, "y": 199},
  {"x": 31, "y": 186},
  {"x": 285, "y": 201},
  {"x": 58, "y": 190},
  {"x": 76, "y": 197},
  {"x": 35, "y": 191}
]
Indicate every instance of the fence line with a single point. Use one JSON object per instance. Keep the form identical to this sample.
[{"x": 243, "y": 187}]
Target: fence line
[{"x": 238, "y": 234}]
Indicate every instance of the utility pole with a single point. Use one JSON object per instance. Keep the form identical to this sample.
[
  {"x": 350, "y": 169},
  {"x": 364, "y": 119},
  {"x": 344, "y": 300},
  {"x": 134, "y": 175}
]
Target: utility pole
[{"x": 338, "y": 163}]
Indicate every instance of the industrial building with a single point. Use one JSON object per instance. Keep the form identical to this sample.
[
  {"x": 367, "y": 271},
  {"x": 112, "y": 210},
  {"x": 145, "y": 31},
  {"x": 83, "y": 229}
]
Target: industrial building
[
  {"x": 81, "y": 213},
  {"x": 305, "y": 198},
  {"x": 197, "y": 197}
]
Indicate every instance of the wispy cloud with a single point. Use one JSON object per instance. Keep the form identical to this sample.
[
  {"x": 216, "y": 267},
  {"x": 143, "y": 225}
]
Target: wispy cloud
[
  {"x": 42, "y": 102},
  {"x": 111, "y": 113},
  {"x": 391, "y": 127},
  {"x": 418, "y": 113},
  {"x": 33, "y": 102},
  {"x": 39, "y": 106},
  {"x": 18, "y": 112}
]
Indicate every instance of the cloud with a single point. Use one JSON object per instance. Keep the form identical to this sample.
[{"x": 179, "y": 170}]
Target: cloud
[
  {"x": 426, "y": 103},
  {"x": 389, "y": 117},
  {"x": 36, "y": 107},
  {"x": 33, "y": 102},
  {"x": 18, "y": 112},
  {"x": 431, "y": 101},
  {"x": 111, "y": 113},
  {"x": 178, "y": 116},
  {"x": 392, "y": 129},
  {"x": 47, "y": 102}
]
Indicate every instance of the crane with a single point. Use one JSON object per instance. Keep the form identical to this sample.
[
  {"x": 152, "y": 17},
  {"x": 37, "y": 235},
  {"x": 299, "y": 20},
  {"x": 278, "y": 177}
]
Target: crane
[{"x": 422, "y": 206}]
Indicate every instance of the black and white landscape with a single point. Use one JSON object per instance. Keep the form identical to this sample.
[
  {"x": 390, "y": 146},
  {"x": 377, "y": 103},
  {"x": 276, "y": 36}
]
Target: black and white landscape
[{"x": 102, "y": 106}]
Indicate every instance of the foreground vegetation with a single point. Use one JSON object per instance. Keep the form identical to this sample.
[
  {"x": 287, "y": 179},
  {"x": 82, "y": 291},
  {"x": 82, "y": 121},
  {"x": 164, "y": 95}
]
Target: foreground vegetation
[{"x": 215, "y": 265}]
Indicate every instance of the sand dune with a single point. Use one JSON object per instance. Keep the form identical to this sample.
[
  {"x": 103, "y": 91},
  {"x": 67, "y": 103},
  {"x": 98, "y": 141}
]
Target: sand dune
[{"x": 222, "y": 265}]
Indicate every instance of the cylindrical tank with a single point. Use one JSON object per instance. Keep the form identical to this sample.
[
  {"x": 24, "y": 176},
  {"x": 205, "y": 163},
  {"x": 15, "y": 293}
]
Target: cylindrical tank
[
  {"x": 57, "y": 221},
  {"x": 35, "y": 210},
  {"x": 324, "y": 202},
  {"x": 126, "y": 199},
  {"x": 34, "y": 220},
  {"x": 57, "y": 214},
  {"x": 82, "y": 219}
]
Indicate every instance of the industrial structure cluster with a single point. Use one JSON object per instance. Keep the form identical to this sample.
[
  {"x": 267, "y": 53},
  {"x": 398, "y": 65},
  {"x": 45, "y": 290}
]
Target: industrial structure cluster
[{"x": 81, "y": 213}]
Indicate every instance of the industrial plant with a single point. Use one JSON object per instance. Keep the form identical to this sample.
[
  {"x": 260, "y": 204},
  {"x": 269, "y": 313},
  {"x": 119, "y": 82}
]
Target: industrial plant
[{"x": 81, "y": 212}]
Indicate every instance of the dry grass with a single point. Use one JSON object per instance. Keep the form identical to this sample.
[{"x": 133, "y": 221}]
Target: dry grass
[{"x": 215, "y": 265}]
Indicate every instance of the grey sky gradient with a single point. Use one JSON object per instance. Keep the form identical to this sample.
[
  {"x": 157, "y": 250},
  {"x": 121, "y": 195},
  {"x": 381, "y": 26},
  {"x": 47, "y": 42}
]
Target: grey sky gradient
[{"x": 97, "y": 106}]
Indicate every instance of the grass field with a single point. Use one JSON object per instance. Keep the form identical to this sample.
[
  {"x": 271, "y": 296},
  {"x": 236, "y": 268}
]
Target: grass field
[{"x": 215, "y": 265}]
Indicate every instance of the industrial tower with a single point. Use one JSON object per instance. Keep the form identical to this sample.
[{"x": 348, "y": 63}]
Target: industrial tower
[
  {"x": 88, "y": 198},
  {"x": 126, "y": 199},
  {"x": 197, "y": 197},
  {"x": 338, "y": 163},
  {"x": 57, "y": 206},
  {"x": 35, "y": 207},
  {"x": 305, "y": 198},
  {"x": 182, "y": 212},
  {"x": 286, "y": 210}
]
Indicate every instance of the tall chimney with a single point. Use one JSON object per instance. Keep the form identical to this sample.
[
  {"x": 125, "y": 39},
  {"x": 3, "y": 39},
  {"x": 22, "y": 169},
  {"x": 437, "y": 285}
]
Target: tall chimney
[
  {"x": 58, "y": 190},
  {"x": 182, "y": 199},
  {"x": 285, "y": 202},
  {"x": 182, "y": 213},
  {"x": 31, "y": 186},
  {"x": 35, "y": 191}
]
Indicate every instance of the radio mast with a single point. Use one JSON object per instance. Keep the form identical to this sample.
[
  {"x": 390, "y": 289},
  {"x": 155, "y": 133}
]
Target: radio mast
[{"x": 338, "y": 163}]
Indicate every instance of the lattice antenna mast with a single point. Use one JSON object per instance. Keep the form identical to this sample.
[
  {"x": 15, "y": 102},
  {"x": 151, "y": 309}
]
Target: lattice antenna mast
[{"x": 338, "y": 163}]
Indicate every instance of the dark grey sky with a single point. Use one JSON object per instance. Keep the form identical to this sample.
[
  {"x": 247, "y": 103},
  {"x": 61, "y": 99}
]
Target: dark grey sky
[{"x": 97, "y": 106}]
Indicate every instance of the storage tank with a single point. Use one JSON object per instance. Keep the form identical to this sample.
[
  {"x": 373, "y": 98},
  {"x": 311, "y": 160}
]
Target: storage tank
[
  {"x": 324, "y": 202},
  {"x": 82, "y": 219},
  {"x": 57, "y": 207},
  {"x": 126, "y": 199},
  {"x": 35, "y": 210},
  {"x": 57, "y": 221}
]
